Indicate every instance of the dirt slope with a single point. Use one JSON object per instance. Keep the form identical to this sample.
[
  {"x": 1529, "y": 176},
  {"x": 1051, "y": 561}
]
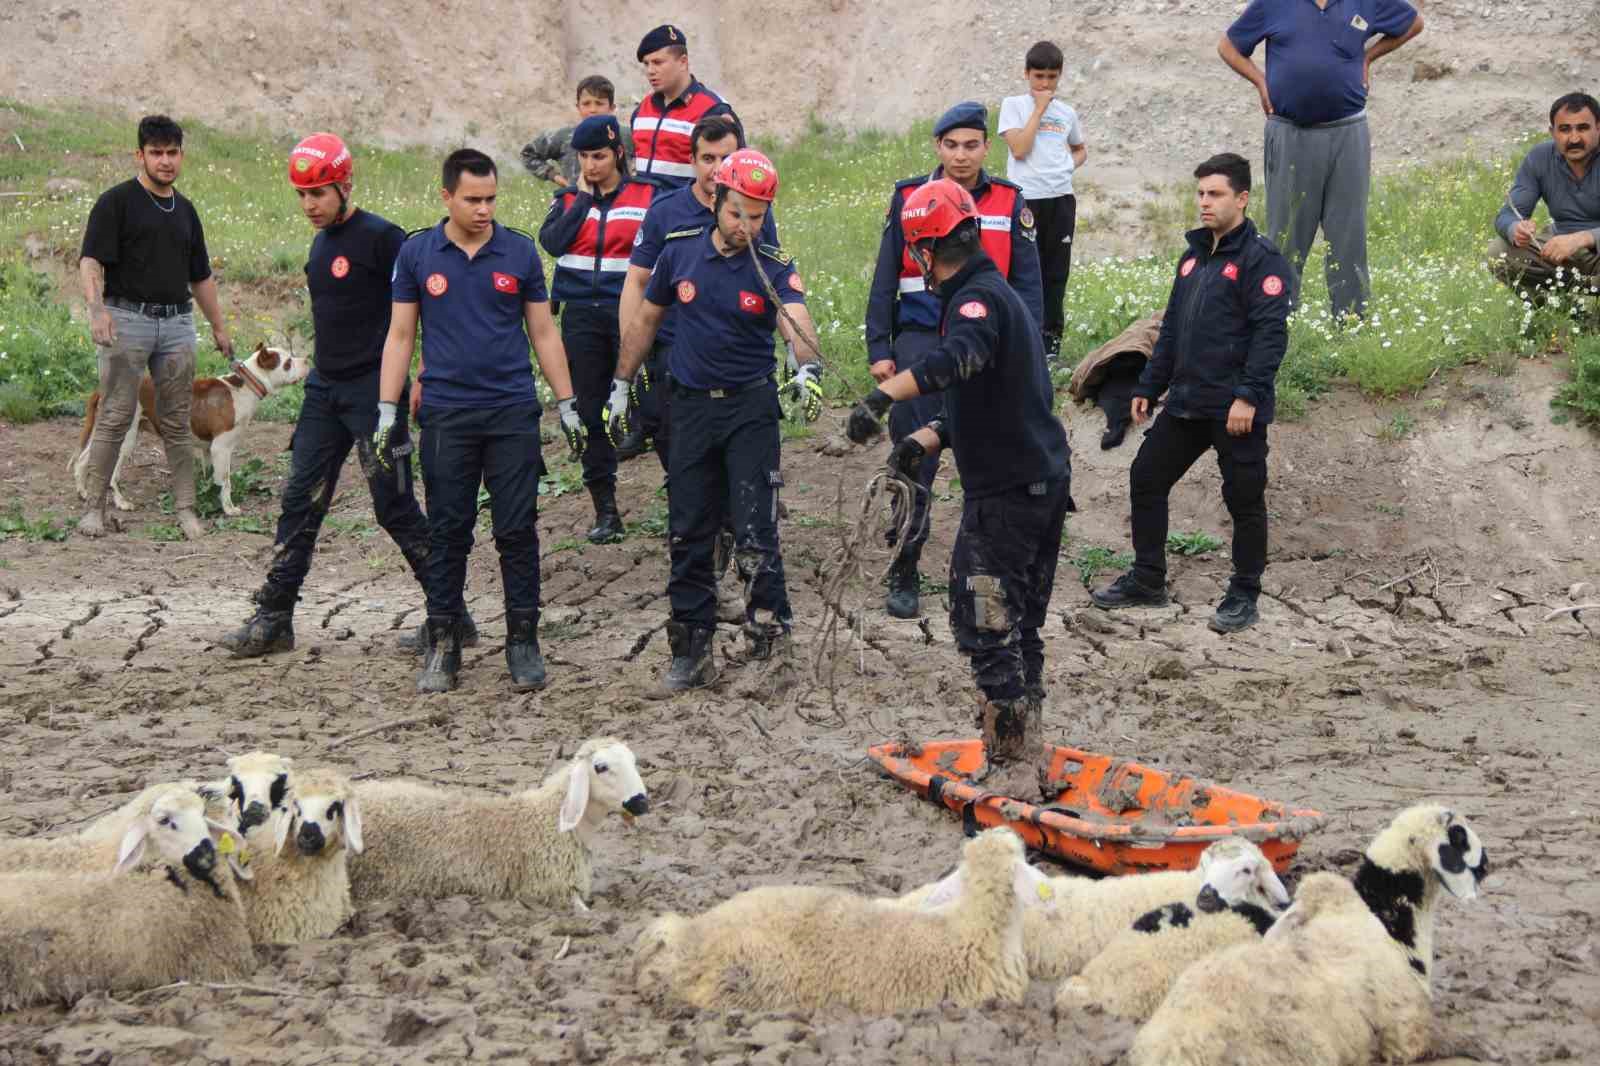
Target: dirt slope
[{"x": 1144, "y": 73}]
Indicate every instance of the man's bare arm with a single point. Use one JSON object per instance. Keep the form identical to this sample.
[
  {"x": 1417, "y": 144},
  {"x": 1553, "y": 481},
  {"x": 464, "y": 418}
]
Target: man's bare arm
[
  {"x": 632, "y": 295},
  {"x": 101, "y": 325},
  {"x": 637, "y": 337},
  {"x": 1246, "y": 68},
  {"x": 1386, "y": 45},
  {"x": 205, "y": 294},
  {"x": 397, "y": 348},
  {"x": 548, "y": 347}
]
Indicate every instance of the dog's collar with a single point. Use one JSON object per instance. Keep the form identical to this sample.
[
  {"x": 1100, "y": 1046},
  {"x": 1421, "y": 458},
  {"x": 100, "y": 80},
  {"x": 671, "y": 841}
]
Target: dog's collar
[{"x": 257, "y": 386}]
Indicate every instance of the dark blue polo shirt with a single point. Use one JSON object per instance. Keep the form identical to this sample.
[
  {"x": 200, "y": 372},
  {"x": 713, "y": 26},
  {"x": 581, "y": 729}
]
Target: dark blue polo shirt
[
  {"x": 1315, "y": 56},
  {"x": 474, "y": 342},
  {"x": 670, "y": 212},
  {"x": 725, "y": 317}
]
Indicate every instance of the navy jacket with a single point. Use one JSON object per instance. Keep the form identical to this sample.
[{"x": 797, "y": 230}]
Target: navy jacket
[
  {"x": 999, "y": 403},
  {"x": 896, "y": 300},
  {"x": 1226, "y": 330}
]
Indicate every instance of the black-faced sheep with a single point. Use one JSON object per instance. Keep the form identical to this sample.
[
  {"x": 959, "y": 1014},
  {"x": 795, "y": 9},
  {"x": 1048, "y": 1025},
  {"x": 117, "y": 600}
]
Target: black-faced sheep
[{"x": 300, "y": 887}]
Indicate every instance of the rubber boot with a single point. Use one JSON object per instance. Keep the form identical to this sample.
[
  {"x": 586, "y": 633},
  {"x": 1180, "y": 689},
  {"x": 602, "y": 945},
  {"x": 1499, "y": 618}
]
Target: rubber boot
[
  {"x": 443, "y": 660},
  {"x": 693, "y": 659},
  {"x": 766, "y": 638},
  {"x": 905, "y": 589},
  {"x": 417, "y": 641},
  {"x": 1013, "y": 751},
  {"x": 270, "y": 629},
  {"x": 607, "y": 520},
  {"x": 522, "y": 651}
]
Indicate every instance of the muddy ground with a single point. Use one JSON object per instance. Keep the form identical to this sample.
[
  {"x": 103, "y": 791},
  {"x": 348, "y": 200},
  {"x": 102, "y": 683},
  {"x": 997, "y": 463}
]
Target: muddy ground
[{"x": 1358, "y": 694}]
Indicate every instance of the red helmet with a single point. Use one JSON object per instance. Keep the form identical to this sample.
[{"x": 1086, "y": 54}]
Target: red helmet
[
  {"x": 321, "y": 159},
  {"x": 935, "y": 209},
  {"x": 749, "y": 172}
]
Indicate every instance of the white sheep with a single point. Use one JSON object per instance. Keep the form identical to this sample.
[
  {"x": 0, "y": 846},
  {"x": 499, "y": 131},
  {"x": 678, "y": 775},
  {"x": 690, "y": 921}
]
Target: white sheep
[
  {"x": 1084, "y": 915},
  {"x": 1239, "y": 901},
  {"x": 255, "y": 789},
  {"x": 1343, "y": 978},
  {"x": 809, "y": 948},
  {"x": 62, "y": 936},
  {"x": 533, "y": 845},
  {"x": 303, "y": 892},
  {"x": 77, "y": 854}
]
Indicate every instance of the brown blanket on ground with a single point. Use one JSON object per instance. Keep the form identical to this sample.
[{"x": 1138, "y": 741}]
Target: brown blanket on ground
[{"x": 1139, "y": 337}]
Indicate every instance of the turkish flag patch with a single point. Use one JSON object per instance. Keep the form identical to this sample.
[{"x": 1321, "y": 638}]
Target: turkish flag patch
[
  {"x": 752, "y": 302},
  {"x": 1187, "y": 268},
  {"x": 1272, "y": 285},
  {"x": 1231, "y": 271},
  {"x": 506, "y": 282},
  {"x": 973, "y": 309}
]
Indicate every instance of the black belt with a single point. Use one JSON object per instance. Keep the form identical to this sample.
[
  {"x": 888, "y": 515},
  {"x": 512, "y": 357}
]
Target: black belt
[
  {"x": 151, "y": 310},
  {"x": 719, "y": 394}
]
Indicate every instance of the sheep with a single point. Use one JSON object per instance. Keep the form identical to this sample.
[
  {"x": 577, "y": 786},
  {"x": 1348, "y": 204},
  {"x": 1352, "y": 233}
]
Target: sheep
[
  {"x": 1343, "y": 978},
  {"x": 256, "y": 788},
  {"x": 533, "y": 846},
  {"x": 1238, "y": 902},
  {"x": 76, "y": 854},
  {"x": 303, "y": 893},
  {"x": 810, "y": 948},
  {"x": 1084, "y": 915},
  {"x": 64, "y": 936}
]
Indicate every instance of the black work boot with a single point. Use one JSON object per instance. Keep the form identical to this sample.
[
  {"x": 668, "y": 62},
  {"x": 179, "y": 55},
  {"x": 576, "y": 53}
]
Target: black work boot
[
  {"x": 607, "y": 519},
  {"x": 1236, "y": 611},
  {"x": 905, "y": 589},
  {"x": 1115, "y": 432},
  {"x": 766, "y": 638},
  {"x": 1013, "y": 762},
  {"x": 522, "y": 651},
  {"x": 270, "y": 629},
  {"x": 693, "y": 661},
  {"x": 417, "y": 641},
  {"x": 1126, "y": 591},
  {"x": 632, "y": 445},
  {"x": 1033, "y": 679},
  {"x": 443, "y": 660}
]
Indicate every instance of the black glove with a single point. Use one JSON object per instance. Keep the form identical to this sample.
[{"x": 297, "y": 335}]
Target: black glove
[
  {"x": 866, "y": 419},
  {"x": 905, "y": 458}
]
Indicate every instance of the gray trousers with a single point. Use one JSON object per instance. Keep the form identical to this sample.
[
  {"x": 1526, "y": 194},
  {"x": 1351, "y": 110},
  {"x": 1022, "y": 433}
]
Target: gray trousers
[
  {"x": 1524, "y": 270},
  {"x": 165, "y": 348},
  {"x": 1320, "y": 176}
]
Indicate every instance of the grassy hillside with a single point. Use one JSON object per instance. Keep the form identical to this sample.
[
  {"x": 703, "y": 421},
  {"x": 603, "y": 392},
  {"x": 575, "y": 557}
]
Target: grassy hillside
[{"x": 1433, "y": 306}]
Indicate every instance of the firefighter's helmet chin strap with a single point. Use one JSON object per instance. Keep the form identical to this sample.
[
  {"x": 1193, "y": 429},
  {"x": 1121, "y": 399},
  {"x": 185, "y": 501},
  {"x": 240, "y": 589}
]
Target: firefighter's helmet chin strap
[
  {"x": 922, "y": 255},
  {"x": 344, "y": 203}
]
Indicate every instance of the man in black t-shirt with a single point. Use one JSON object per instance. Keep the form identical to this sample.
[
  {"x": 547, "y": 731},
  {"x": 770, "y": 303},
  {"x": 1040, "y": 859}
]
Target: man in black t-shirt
[
  {"x": 143, "y": 256},
  {"x": 348, "y": 274}
]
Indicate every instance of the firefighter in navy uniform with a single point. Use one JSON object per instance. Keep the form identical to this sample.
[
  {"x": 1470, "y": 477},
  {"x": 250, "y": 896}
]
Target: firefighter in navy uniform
[
  {"x": 662, "y": 122},
  {"x": 724, "y": 411},
  {"x": 347, "y": 274},
  {"x": 590, "y": 231},
  {"x": 903, "y": 317},
  {"x": 1014, "y": 462},
  {"x": 1222, "y": 340}
]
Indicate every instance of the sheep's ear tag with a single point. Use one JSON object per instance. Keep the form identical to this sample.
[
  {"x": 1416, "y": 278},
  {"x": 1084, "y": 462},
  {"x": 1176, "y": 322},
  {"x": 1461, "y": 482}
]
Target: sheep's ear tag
[
  {"x": 226, "y": 845},
  {"x": 1046, "y": 891}
]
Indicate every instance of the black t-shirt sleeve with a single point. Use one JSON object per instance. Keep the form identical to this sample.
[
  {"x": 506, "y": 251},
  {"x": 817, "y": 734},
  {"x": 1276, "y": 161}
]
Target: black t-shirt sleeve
[
  {"x": 199, "y": 258},
  {"x": 388, "y": 248},
  {"x": 101, "y": 236}
]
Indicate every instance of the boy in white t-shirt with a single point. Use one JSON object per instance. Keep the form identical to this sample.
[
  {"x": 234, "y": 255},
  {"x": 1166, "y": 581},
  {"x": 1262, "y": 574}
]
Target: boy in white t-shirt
[{"x": 1046, "y": 142}]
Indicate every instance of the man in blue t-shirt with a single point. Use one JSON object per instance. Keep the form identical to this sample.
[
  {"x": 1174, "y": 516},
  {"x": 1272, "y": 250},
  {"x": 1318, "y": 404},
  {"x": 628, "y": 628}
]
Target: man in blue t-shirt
[
  {"x": 347, "y": 274},
  {"x": 727, "y": 292},
  {"x": 478, "y": 290},
  {"x": 1318, "y": 147}
]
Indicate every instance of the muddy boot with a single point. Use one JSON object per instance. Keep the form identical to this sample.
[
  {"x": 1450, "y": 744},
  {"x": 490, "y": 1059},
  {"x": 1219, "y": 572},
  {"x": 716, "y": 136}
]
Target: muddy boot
[
  {"x": 693, "y": 660},
  {"x": 93, "y": 523},
  {"x": 607, "y": 520},
  {"x": 270, "y": 629},
  {"x": 905, "y": 589},
  {"x": 1033, "y": 678},
  {"x": 443, "y": 660},
  {"x": 522, "y": 651},
  {"x": 730, "y": 593},
  {"x": 1013, "y": 752},
  {"x": 766, "y": 638},
  {"x": 417, "y": 641}
]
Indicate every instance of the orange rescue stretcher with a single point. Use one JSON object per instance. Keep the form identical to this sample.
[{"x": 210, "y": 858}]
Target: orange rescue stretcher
[{"x": 1111, "y": 815}]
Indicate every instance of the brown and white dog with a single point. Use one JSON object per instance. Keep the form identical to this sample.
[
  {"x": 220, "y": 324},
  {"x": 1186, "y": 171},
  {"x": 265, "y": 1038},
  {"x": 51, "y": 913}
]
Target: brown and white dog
[{"x": 222, "y": 407}]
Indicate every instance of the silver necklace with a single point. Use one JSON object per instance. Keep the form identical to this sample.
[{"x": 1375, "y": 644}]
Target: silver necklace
[{"x": 164, "y": 210}]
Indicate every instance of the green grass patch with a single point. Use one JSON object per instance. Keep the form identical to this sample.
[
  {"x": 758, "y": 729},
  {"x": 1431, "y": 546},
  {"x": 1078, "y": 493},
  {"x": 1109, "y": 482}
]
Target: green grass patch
[
  {"x": 1091, "y": 562},
  {"x": 248, "y": 479},
  {"x": 1580, "y": 397},
  {"x": 1196, "y": 542},
  {"x": 14, "y": 524},
  {"x": 161, "y": 531},
  {"x": 652, "y": 524},
  {"x": 18, "y": 404}
]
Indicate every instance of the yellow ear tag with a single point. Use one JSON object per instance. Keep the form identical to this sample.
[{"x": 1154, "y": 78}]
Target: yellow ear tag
[
  {"x": 1046, "y": 891},
  {"x": 225, "y": 844}
]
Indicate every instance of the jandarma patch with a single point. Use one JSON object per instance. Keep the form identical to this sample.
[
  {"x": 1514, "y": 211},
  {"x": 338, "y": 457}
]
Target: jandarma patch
[
  {"x": 973, "y": 309},
  {"x": 1026, "y": 217},
  {"x": 1272, "y": 285}
]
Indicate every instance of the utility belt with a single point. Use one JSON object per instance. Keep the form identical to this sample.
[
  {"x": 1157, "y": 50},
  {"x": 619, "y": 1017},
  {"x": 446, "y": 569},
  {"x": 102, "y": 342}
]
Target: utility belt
[
  {"x": 151, "y": 310},
  {"x": 722, "y": 394}
]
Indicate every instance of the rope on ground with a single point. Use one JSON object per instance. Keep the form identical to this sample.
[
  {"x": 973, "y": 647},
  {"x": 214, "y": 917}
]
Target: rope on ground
[{"x": 867, "y": 550}]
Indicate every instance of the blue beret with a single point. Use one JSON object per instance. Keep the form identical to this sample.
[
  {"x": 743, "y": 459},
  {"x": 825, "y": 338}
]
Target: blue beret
[
  {"x": 967, "y": 115},
  {"x": 597, "y": 131},
  {"x": 659, "y": 38}
]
